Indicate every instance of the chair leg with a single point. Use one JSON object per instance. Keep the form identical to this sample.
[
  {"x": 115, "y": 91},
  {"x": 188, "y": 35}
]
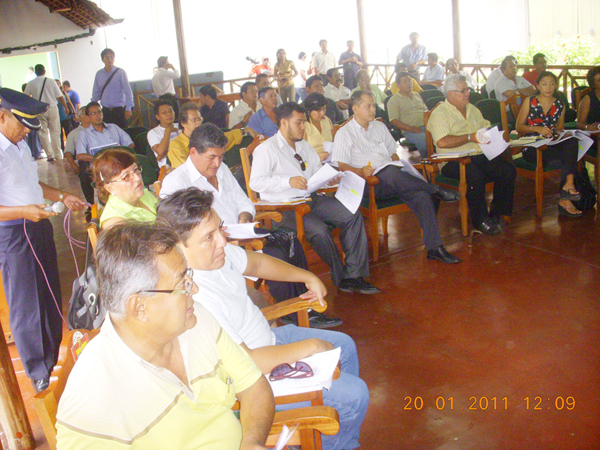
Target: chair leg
[
  {"x": 463, "y": 206},
  {"x": 539, "y": 194},
  {"x": 374, "y": 229},
  {"x": 384, "y": 226},
  {"x": 597, "y": 171}
]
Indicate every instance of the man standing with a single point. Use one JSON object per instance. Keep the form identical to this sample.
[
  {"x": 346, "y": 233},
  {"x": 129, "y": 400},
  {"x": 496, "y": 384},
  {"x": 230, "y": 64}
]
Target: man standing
[
  {"x": 46, "y": 90},
  {"x": 280, "y": 170},
  {"x": 352, "y": 63},
  {"x": 263, "y": 122},
  {"x": 26, "y": 233},
  {"x": 315, "y": 84},
  {"x": 112, "y": 90},
  {"x": 179, "y": 148},
  {"x": 539, "y": 61},
  {"x": 300, "y": 80},
  {"x": 162, "y": 82},
  {"x": 453, "y": 126},
  {"x": 160, "y": 136},
  {"x": 337, "y": 92},
  {"x": 219, "y": 270},
  {"x": 434, "y": 74},
  {"x": 413, "y": 55},
  {"x": 246, "y": 107},
  {"x": 161, "y": 362},
  {"x": 363, "y": 144},
  {"x": 323, "y": 60},
  {"x": 74, "y": 96},
  {"x": 214, "y": 110}
]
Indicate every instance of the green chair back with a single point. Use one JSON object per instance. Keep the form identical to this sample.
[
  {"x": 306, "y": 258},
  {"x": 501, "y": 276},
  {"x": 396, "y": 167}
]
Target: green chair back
[
  {"x": 134, "y": 131},
  {"x": 428, "y": 87},
  {"x": 575, "y": 89},
  {"x": 474, "y": 97},
  {"x": 490, "y": 109},
  {"x": 430, "y": 93},
  {"x": 141, "y": 143}
]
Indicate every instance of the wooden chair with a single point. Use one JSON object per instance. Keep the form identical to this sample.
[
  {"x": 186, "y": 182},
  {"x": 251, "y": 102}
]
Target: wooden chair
[
  {"x": 592, "y": 155},
  {"x": 537, "y": 171}
]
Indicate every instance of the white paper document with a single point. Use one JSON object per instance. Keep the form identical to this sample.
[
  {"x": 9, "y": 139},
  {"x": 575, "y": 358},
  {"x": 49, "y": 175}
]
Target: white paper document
[
  {"x": 243, "y": 231},
  {"x": 453, "y": 154},
  {"x": 410, "y": 169},
  {"x": 391, "y": 163},
  {"x": 323, "y": 364},
  {"x": 320, "y": 179},
  {"x": 284, "y": 437},
  {"x": 350, "y": 191},
  {"x": 496, "y": 146},
  {"x": 585, "y": 142}
]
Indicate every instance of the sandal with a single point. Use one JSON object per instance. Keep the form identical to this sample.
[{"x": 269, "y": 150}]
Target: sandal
[
  {"x": 565, "y": 194},
  {"x": 562, "y": 211}
]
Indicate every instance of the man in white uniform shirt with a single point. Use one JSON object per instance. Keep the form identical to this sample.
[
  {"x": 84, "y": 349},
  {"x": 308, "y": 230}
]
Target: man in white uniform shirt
[
  {"x": 337, "y": 92},
  {"x": 219, "y": 270},
  {"x": 364, "y": 144},
  {"x": 323, "y": 60},
  {"x": 160, "y": 136},
  {"x": 280, "y": 170},
  {"x": 46, "y": 90}
]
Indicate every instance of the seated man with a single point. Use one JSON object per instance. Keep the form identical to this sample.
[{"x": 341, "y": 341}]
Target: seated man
[
  {"x": 405, "y": 111},
  {"x": 219, "y": 270},
  {"x": 364, "y": 144},
  {"x": 280, "y": 170},
  {"x": 263, "y": 122},
  {"x": 539, "y": 61},
  {"x": 452, "y": 67},
  {"x": 454, "y": 125},
  {"x": 84, "y": 122},
  {"x": 434, "y": 73},
  {"x": 262, "y": 81},
  {"x": 510, "y": 83},
  {"x": 179, "y": 148},
  {"x": 213, "y": 110},
  {"x": 337, "y": 92},
  {"x": 494, "y": 76},
  {"x": 364, "y": 84},
  {"x": 246, "y": 107},
  {"x": 401, "y": 67},
  {"x": 157, "y": 356},
  {"x": 205, "y": 170},
  {"x": 315, "y": 84},
  {"x": 161, "y": 136}
]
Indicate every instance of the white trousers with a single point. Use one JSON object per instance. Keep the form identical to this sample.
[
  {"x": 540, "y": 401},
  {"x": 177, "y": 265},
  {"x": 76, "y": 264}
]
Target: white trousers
[{"x": 50, "y": 132}]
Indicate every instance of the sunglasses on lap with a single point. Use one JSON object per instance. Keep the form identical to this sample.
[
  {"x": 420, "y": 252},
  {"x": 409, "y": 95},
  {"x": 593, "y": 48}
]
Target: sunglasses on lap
[{"x": 285, "y": 370}]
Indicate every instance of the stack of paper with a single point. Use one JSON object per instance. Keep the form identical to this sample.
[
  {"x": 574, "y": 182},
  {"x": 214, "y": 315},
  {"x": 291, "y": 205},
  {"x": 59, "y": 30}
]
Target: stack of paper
[{"x": 496, "y": 146}]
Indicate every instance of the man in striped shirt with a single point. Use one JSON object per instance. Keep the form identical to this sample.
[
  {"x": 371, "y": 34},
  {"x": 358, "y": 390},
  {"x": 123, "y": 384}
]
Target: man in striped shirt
[{"x": 364, "y": 144}]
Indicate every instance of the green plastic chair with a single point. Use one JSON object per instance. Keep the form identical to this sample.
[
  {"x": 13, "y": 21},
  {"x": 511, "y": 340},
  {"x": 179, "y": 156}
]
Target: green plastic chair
[
  {"x": 134, "y": 131},
  {"x": 431, "y": 93},
  {"x": 490, "y": 109},
  {"x": 474, "y": 97},
  {"x": 141, "y": 143}
]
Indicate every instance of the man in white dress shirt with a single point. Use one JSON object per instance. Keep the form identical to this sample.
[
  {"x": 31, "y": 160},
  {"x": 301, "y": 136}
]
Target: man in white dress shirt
[
  {"x": 160, "y": 136},
  {"x": 495, "y": 75},
  {"x": 162, "y": 82},
  {"x": 248, "y": 105},
  {"x": 510, "y": 83},
  {"x": 363, "y": 144},
  {"x": 323, "y": 60},
  {"x": 280, "y": 170},
  {"x": 337, "y": 92}
]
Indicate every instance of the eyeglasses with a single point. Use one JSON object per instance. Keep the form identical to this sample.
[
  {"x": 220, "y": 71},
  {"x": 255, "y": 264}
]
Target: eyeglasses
[
  {"x": 128, "y": 176},
  {"x": 285, "y": 370},
  {"x": 301, "y": 161},
  {"x": 464, "y": 91},
  {"x": 187, "y": 287},
  {"x": 94, "y": 113}
]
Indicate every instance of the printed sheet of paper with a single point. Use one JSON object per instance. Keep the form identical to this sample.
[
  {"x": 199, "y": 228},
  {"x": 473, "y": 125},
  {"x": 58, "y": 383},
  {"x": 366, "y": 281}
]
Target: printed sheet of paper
[
  {"x": 391, "y": 163},
  {"x": 350, "y": 191},
  {"x": 320, "y": 179},
  {"x": 323, "y": 364},
  {"x": 243, "y": 231},
  {"x": 496, "y": 146}
]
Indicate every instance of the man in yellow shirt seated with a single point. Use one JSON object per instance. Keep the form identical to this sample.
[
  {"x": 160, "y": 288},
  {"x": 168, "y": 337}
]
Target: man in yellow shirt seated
[{"x": 161, "y": 373}]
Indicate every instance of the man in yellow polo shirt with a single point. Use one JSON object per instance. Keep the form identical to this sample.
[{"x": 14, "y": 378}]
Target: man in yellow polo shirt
[{"x": 161, "y": 374}]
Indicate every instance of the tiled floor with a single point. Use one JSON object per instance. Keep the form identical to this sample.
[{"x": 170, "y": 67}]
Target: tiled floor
[{"x": 488, "y": 354}]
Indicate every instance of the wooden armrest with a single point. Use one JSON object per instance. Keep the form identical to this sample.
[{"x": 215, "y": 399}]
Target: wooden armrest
[
  {"x": 321, "y": 418},
  {"x": 291, "y": 306},
  {"x": 299, "y": 208},
  {"x": 255, "y": 244},
  {"x": 272, "y": 215},
  {"x": 372, "y": 180},
  {"x": 328, "y": 189}
]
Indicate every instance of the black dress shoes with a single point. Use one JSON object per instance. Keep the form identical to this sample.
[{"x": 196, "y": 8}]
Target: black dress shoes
[
  {"x": 489, "y": 226},
  {"x": 315, "y": 319},
  {"x": 358, "y": 285},
  {"x": 41, "y": 384},
  {"x": 441, "y": 254},
  {"x": 447, "y": 195}
]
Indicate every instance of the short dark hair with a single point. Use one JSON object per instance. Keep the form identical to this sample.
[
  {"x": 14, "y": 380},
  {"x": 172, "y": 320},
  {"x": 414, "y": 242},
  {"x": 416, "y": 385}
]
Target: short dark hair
[
  {"x": 106, "y": 51},
  {"x": 161, "y": 102},
  {"x": 547, "y": 73},
  {"x": 301, "y": 55},
  {"x": 126, "y": 261},
  {"x": 314, "y": 102},
  {"x": 263, "y": 91},
  {"x": 310, "y": 80},
  {"x": 356, "y": 97},
  {"x": 39, "y": 69},
  {"x": 331, "y": 71},
  {"x": 245, "y": 86},
  {"x": 209, "y": 90},
  {"x": 89, "y": 105},
  {"x": 321, "y": 41},
  {"x": 206, "y": 136},
  {"x": 286, "y": 110},
  {"x": 261, "y": 75},
  {"x": 537, "y": 56},
  {"x": 401, "y": 75},
  {"x": 433, "y": 56},
  {"x": 399, "y": 66},
  {"x": 414, "y": 33},
  {"x": 348, "y": 41},
  {"x": 184, "y": 210},
  {"x": 505, "y": 61},
  {"x": 590, "y": 76},
  {"x": 183, "y": 111},
  {"x": 161, "y": 61},
  {"x": 66, "y": 83}
]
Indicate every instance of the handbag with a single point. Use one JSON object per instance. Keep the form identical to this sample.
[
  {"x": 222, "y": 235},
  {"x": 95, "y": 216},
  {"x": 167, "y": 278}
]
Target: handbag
[
  {"x": 586, "y": 189},
  {"x": 86, "y": 311}
]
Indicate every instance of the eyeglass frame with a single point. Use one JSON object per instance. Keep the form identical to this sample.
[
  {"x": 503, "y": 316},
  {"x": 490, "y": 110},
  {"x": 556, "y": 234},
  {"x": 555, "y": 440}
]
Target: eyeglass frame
[
  {"x": 301, "y": 161},
  {"x": 463, "y": 91},
  {"x": 138, "y": 169},
  {"x": 187, "y": 292}
]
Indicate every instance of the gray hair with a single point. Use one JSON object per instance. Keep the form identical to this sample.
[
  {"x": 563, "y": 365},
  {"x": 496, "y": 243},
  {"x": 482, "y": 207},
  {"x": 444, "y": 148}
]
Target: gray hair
[
  {"x": 126, "y": 261},
  {"x": 451, "y": 83}
]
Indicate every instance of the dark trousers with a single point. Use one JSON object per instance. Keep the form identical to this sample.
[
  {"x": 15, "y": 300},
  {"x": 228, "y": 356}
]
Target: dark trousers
[
  {"x": 416, "y": 193},
  {"x": 174, "y": 103},
  {"x": 563, "y": 155},
  {"x": 353, "y": 237},
  {"x": 85, "y": 178},
  {"x": 283, "y": 290},
  {"x": 34, "y": 318},
  {"x": 66, "y": 127},
  {"x": 115, "y": 115},
  {"x": 482, "y": 171}
]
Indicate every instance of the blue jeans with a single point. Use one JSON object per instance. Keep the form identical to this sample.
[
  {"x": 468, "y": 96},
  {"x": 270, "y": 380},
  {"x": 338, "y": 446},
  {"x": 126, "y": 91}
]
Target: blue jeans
[
  {"x": 349, "y": 394},
  {"x": 419, "y": 140}
]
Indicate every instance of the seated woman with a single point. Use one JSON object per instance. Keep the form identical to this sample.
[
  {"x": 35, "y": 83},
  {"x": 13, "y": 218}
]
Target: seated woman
[
  {"x": 319, "y": 128},
  {"x": 588, "y": 112},
  {"x": 544, "y": 114},
  {"x": 119, "y": 182}
]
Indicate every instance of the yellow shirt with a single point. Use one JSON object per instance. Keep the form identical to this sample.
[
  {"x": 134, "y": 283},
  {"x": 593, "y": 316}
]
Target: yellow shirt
[
  {"x": 316, "y": 139},
  {"x": 446, "y": 120},
  {"x": 415, "y": 87},
  {"x": 115, "y": 207},
  {"x": 179, "y": 148},
  {"x": 285, "y": 71}
]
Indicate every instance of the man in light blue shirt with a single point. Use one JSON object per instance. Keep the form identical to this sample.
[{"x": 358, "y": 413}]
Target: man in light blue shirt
[
  {"x": 263, "y": 122},
  {"x": 434, "y": 74},
  {"x": 112, "y": 90},
  {"x": 413, "y": 55}
]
